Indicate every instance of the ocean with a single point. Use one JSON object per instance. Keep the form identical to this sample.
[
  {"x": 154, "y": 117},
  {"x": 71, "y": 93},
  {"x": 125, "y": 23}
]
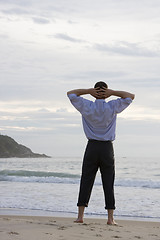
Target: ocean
[{"x": 50, "y": 186}]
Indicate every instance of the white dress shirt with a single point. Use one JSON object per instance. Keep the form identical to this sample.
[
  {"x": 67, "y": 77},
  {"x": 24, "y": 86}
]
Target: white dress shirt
[{"x": 99, "y": 117}]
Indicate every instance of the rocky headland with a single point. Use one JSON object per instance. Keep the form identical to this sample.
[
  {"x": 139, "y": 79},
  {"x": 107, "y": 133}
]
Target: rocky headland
[{"x": 9, "y": 148}]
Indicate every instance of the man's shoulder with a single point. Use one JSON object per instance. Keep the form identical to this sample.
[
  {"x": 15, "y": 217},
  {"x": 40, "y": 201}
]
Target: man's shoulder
[
  {"x": 117, "y": 100},
  {"x": 73, "y": 96}
]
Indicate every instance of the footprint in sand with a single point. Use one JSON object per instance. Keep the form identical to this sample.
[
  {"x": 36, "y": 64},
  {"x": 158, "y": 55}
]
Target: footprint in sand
[
  {"x": 116, "y": 237},
  {"x": 110, "y": 230},
  {"x": 62, "y": 228},
  {"x": 49, "y": 233},
  {"x": 86, "y": 224},
  {"x": 91, "y": 229},
  {"x": 98, "y": 235},
  {"x": 51, "y": 224},
  {"x": 14, "y": 233},
  {"x": 6, "y": 219}
]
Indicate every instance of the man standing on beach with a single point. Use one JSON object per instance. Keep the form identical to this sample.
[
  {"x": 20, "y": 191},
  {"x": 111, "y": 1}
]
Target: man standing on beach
[{"x": 99, "y": 123}]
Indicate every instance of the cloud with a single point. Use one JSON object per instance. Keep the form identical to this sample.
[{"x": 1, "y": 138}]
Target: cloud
[
  {"x": 124, "y": 9},
  {"x": 101, "y": 74},
  {"x": 141, "y": 113},
  {"x": 72, "y": 22},
  {"x": 127, "y": 49},
  {"x": 16, "y": 2},
  {"x": 89, "y": 77},
  {"x": 15, "y": 11},
  {"x": 67, "y": 38},
  {"x": 40, "y": 20},
  {"x": 39, "y": 120},
  {"x": 4, "y": 36}
]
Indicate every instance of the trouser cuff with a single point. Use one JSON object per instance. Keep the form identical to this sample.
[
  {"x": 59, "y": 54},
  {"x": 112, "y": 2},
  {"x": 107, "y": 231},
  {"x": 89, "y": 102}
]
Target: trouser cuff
[
  {"x": 82, "y": 204},
  {"x": 109, "y": 207}
]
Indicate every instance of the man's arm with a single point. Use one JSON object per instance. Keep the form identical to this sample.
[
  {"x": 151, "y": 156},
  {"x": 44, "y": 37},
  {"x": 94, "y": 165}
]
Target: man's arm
[
  {"x": 122, "y": 94},
  {"x": 92, "y": 91},
  {"x": 101, "y": 93}
]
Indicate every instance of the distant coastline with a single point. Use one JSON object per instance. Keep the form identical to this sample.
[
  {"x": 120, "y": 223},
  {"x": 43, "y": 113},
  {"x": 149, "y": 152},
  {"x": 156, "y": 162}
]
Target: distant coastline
[{"x": 9, "y": 148}]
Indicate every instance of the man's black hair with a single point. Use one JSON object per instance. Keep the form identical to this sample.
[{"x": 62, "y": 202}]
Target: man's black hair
[{"x": 100, "y": 85}]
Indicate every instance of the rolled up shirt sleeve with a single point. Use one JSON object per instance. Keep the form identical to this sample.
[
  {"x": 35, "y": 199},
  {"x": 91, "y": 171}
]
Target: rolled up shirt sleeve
[
  {"x": 78, "y": 102},
  {"x": 120, "y": 104}
]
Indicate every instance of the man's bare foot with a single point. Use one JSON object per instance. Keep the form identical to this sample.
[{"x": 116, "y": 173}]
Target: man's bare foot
[
  {"x": 112, "y": 223},
  {"x": 78, "y": 220},
  {"x": 80, "y": 214}
]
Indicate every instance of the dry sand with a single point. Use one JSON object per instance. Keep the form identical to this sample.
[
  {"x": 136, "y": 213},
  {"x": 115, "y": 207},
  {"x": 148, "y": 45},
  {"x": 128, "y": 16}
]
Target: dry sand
[{"x": 60, "y": 228}]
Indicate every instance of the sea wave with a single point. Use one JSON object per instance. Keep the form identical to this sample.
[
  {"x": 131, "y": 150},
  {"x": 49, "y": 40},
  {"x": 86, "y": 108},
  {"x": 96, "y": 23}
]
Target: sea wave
[
  {"x": 38, "y": 176},
  {"x": 68, "y": 178},
  {"x": 26, "y": 173},
  {"x": 142, "y": 183}
]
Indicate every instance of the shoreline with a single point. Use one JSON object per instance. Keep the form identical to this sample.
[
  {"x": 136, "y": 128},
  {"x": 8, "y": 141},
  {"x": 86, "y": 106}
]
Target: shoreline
[
  {"x": 41, "y": 213},
  {"x": 64, "y": 228}
]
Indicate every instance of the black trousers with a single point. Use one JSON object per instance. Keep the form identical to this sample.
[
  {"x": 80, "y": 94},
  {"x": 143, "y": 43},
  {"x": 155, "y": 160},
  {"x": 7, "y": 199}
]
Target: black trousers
[{"x": 98, "y": 155}]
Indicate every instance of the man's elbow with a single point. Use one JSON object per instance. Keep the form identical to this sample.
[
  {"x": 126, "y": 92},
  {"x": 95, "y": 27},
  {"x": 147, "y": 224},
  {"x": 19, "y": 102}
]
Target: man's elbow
[
  {"x": 73, "y": 92},
  {"x": 129, "y": 95},
  {"x": 69, "y": 92},
  {"x": 132, "y": 96}
]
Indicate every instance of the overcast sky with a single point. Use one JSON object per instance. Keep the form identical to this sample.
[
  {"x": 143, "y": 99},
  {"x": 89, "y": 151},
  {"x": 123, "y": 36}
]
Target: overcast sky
[{"x": 52, "y": 46}]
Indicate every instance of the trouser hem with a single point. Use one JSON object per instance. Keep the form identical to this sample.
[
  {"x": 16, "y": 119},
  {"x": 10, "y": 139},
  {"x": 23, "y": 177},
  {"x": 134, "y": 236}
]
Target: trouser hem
[
  {"x": 82, "y": 205},
  {"x": 107, "y": 208}
]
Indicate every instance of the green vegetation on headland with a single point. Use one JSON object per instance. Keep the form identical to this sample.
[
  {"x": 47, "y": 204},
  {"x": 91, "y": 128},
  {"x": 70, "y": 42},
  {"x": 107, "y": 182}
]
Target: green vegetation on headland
[{"x": 10, "y": 148}]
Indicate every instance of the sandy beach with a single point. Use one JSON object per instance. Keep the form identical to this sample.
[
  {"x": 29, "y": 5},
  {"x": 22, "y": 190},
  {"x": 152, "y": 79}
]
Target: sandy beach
[{"x": 61, "y": 228}]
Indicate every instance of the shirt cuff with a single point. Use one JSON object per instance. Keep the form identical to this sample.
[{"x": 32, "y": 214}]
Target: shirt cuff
[{"x": 128, "y": 100}]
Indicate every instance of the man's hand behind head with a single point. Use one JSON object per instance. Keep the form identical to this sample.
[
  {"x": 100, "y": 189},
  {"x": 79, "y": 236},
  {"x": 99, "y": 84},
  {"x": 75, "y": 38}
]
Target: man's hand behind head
[
  {"x": 105, "y": 92},
  {"x": 95, "y": 92},
  {"x": 101, "y": 93}
]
